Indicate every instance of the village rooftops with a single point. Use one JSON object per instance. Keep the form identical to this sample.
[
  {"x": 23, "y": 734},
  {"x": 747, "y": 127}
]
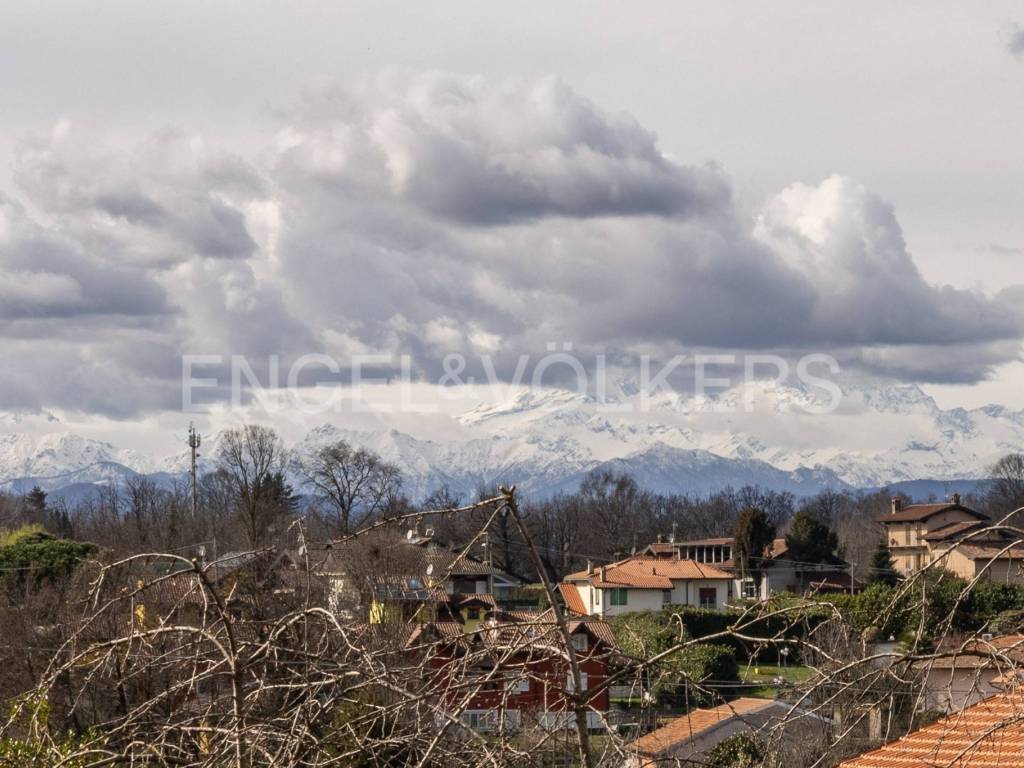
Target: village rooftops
[
  {"x": 915, "y": 513},
  {"x": 647, "y": 573},
  {"x": 989, "y": 734}
]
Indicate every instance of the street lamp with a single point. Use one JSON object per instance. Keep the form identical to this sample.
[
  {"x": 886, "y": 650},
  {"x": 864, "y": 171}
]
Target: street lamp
[{"x": 785, "y": 655}]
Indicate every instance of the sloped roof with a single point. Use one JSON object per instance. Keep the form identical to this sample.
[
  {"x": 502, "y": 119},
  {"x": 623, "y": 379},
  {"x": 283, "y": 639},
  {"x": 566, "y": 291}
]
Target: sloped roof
[
  {"x": 479, "y": 599},
  {"x": 601, "y": 630},
  {"x": 952, "y": 530},
  {"x": 987, "y": 551},
  {"x": 573, "y": 599},
  {"x": 528, "y": 630},
  {"x": 719, "y": 542},
  {"x": 648, "y": 573},
  {"x": 921, "y": 512},
  {"x": 989, "y": 734},
  {"x": 1000, "y": 651},
  {"x": 778, "y": 549},
  {"x": 660, "y": 548},
  {"x": 693, "y": 724}
]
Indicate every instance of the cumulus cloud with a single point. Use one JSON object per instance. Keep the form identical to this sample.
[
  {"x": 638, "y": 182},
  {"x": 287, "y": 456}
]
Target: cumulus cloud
[
  {"x": 439, "y": 214},
  {"x": 479, "y": 153}
]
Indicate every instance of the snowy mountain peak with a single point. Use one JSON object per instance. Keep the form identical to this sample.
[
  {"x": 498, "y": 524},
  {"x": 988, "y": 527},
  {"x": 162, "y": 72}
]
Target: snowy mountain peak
[{"x": 547, "y": 439}]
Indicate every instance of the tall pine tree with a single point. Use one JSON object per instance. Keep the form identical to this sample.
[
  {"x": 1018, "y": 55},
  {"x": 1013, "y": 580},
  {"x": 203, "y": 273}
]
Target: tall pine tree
[{"x": 883, "y": 569}]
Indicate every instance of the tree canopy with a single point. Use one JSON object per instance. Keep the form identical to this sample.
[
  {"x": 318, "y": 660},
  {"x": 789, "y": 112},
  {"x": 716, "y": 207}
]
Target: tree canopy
[{"x": 754, "y": 533}]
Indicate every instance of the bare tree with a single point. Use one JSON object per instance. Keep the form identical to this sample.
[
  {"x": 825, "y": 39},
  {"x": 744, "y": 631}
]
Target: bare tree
[
  {"x": 253, "y": 457},
  {"x": 1008, "y": 483},
  {"x": 356, "y": 482}
]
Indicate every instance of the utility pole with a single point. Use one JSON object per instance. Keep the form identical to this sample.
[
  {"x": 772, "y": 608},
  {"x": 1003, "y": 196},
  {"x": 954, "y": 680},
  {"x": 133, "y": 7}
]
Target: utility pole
[{"x": 194, "y": 440}]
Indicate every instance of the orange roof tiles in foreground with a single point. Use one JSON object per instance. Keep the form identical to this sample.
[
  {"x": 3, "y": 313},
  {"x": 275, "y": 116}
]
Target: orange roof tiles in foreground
[
  {"x": 693, "y": 724},
  {"x": 989, "y": 734}
]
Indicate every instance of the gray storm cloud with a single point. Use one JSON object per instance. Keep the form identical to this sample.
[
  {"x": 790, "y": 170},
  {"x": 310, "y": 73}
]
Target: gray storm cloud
[{"x": 444, "y": 213}]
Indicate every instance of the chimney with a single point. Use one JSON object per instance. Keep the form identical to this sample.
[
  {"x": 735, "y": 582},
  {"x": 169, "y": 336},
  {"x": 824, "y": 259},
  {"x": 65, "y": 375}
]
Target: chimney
[
  {"x": 604, "y": 573},
  {"x": 956, "y": 499},
  {"x": 661, "y": 539},
  {"x": 897, "y": 504},
  {"x": 590, "y": 567},
  {"x": 673, "y": 539}
]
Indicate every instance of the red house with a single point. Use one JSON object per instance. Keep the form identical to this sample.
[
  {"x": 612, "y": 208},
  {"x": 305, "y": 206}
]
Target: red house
[{"x": 513, "y": 671}]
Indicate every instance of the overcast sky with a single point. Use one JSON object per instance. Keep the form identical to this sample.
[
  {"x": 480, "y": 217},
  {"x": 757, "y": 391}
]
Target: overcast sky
[{"x": 284, "y": 178}]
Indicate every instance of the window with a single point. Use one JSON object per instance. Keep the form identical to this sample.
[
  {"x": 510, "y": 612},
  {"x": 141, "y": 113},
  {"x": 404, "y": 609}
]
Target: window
[
  {"x": 473, "y": 614},
  {"x": 479, "y": 719},
  {"x": 579, "y": 641},
  {"x": 570, "y": 686},
  {"x": 666, "y": 596},
  {"x": 708, "y": 597},
  {"x": 620, "y": 596},
  {"x": 749, "y": 588},
  {"x": 517, "y": 682}
]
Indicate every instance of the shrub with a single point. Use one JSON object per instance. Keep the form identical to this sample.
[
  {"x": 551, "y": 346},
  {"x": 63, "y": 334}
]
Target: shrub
[
  {"x": 740, "y": 751},
  {"x": 39, "y": 557}
]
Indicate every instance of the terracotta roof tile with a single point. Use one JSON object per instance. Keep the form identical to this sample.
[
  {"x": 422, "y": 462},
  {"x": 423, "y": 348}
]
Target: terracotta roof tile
[
  {"x": 989, "y": 734},
  {"x": 572, "y": 598},
  {"x": 692, "y": 724},
  {"x": 648, "y": 573}
]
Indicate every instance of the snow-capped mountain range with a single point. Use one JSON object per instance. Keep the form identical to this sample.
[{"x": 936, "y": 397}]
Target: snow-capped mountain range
[{"x": 547, "y": 440}]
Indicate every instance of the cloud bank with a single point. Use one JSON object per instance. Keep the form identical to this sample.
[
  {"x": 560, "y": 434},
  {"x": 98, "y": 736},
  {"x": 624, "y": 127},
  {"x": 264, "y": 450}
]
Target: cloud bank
[{"x": 441, "y": 213}]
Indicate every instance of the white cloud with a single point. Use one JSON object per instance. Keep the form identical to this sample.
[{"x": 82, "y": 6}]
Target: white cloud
[{"x": 447, "y": 213}]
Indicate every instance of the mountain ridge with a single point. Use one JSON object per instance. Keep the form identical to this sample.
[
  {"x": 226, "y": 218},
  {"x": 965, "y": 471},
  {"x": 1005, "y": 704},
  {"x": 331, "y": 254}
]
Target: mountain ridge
[{"x": 547, "y": 440}]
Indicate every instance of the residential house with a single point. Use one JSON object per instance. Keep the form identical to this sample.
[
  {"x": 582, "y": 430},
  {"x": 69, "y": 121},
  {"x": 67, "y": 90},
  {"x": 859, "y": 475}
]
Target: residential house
[
  {"x": 366, "y": 573},
  {"x": 645, "y": 584},
  {"x": 954, "y": 537},
  {"x": 778, "y": 571},
  {"x": 688, "y": 739},
  {"x": 984, "y": 735},
  {"x": 966, "y": 672},
  {"x": 511, "y": 669}
]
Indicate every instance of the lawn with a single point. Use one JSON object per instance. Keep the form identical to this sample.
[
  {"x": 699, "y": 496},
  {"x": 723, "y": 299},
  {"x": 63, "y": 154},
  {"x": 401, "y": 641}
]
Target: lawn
[{"x": 767, "y": 675}]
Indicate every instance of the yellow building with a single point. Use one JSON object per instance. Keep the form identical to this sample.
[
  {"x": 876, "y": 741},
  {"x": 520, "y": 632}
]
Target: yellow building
[{"x": 954, "y": 535}]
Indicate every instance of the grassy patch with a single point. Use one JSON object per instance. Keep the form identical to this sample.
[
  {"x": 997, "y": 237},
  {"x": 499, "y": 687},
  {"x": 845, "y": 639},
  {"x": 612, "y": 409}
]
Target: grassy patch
[{"x": 766, "y": 677}]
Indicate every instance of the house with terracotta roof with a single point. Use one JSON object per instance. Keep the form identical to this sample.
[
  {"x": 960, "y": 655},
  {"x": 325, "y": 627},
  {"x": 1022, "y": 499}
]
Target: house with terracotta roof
[
  {"x": 955, "y": 537},
  {"x": 644, "y": 584},
  {"x": 989, "y": 734},
  {"x": 778, "y": 572},
  {"x": 687, "y": 739}
]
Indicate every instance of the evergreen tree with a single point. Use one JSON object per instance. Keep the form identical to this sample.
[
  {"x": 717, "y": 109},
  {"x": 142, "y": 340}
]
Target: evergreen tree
[
  {"x": 754, "y": 533},
  {"x": 811, "y": 541},
  {"x": 883, "y": 569},
  {"x": 35, "y": 500}
]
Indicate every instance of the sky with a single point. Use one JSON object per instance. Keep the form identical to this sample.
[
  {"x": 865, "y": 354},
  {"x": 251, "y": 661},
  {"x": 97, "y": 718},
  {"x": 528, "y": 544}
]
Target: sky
[{"x": 486, "y": 179}]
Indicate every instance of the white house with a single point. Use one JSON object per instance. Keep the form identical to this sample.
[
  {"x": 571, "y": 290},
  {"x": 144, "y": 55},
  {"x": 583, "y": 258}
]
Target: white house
[
  {"x": 778, "y": 572},
  {"x": 645, "y": 584}
]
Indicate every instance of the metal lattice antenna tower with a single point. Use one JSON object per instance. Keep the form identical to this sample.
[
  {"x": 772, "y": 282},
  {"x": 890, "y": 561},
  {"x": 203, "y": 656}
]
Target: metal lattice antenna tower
[{"x": 194, "y": 441}]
